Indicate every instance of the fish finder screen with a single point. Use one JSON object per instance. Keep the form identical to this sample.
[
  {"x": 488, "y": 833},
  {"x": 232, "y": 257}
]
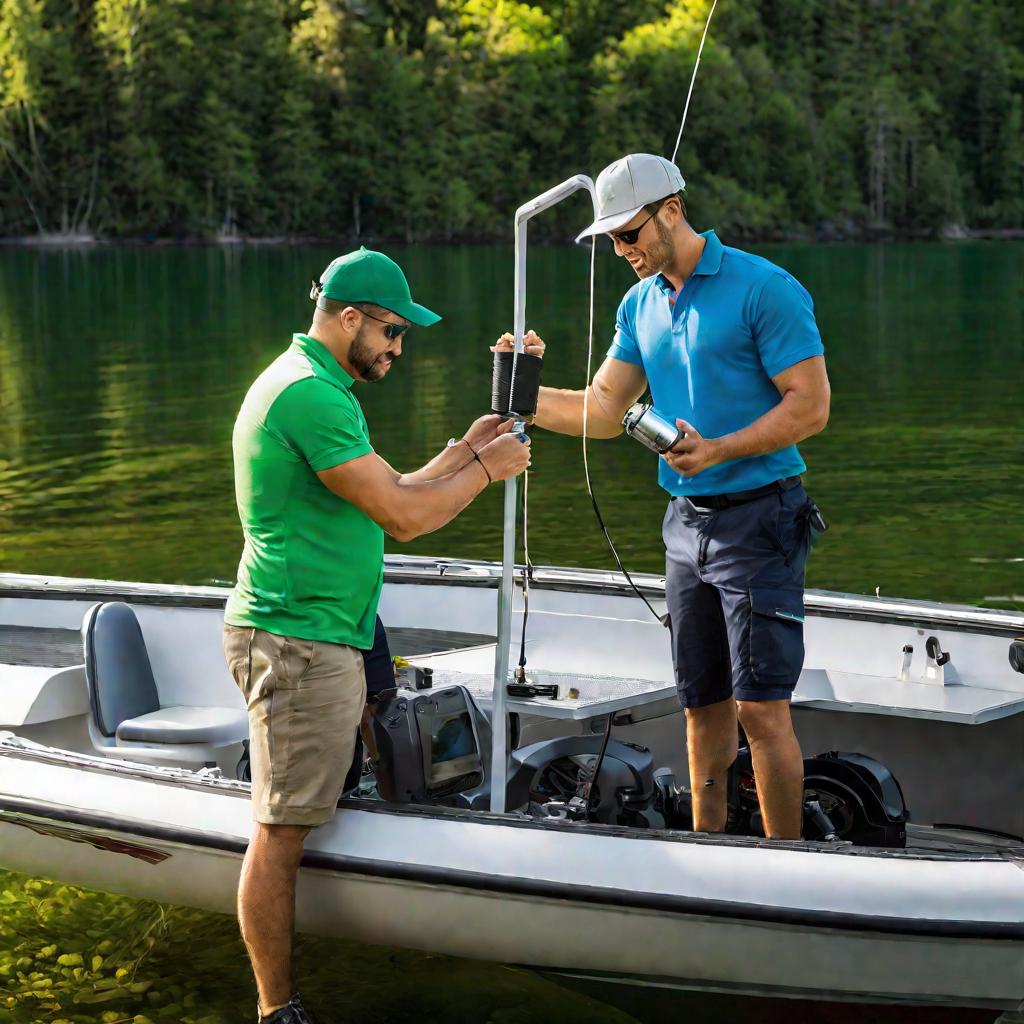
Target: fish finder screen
[{"x": 452, "y": 737}]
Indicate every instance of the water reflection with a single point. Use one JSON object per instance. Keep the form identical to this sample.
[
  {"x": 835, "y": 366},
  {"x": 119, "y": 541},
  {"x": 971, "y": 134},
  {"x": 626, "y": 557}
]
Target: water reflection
[{"x": 121, "y": 371}]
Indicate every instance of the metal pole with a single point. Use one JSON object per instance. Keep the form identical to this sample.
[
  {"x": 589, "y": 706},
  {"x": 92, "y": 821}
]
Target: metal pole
[{"x": 499, "y": 717}]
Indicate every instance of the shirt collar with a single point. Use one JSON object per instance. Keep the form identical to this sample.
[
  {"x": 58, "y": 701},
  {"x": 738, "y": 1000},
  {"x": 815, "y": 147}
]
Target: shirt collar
[
  {"x": 708, "y": 265},
  {"x": 319, "y": 353},
  {"x": 710, "y": 261}
]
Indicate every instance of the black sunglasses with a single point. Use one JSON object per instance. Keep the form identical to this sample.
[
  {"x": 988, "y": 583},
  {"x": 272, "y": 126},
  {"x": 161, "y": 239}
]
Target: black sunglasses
[
  {"x": 391, "y": 331},
  {"x": 629, "y": 237}
]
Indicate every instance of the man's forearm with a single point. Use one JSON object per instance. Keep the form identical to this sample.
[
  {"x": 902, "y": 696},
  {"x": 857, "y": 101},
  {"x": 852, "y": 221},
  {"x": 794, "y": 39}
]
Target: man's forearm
[
  {"x": 791, "y": 421},
  {"x": 427, "y": 505},
  {"x": 561, "y": 411},
  {"x": 447, "y": 461}
]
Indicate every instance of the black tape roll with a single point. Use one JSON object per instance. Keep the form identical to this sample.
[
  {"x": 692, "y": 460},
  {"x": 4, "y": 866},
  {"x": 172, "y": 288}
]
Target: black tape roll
[{"x": 527, "y": 383}]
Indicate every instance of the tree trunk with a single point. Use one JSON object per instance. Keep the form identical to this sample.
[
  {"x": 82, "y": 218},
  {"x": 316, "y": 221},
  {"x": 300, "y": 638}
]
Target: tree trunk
[
  {"x": 84, "y": 226},
  {"x": 878, "y": 162},
  {"x": 227, "y": 228}
]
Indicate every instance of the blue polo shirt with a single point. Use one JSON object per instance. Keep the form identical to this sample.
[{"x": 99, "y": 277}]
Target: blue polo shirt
[{"x": 710, "y": 351}]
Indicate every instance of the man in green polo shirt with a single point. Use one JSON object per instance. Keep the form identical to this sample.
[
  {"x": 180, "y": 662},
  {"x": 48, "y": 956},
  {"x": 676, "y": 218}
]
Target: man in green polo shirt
[{"x": 315, "y": 501}]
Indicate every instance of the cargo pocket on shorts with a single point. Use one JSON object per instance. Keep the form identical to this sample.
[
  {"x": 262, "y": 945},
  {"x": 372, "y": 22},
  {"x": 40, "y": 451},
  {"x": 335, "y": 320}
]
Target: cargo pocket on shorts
[{"x": 776, "y": 635}]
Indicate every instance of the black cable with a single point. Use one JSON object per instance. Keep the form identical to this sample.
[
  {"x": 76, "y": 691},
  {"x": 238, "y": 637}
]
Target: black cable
[
  {"x": 663, "y": 619},
  {"x": 527, "y": 576},
  {"x": 597, "y": 767}
]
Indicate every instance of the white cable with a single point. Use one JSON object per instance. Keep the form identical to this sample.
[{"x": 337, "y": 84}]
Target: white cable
[
  {"x": 586, "y": 462},
  {"x": 693, "y": 78},
  {"x": 590, "y": 356}
]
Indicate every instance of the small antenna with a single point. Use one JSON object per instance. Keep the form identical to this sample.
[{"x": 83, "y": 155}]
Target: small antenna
[{"x": 693, "y": 78}]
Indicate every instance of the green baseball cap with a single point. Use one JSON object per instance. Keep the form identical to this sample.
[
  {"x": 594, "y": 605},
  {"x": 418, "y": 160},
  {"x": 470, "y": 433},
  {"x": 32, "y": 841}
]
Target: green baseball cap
[{"x": 368, "y": 276}]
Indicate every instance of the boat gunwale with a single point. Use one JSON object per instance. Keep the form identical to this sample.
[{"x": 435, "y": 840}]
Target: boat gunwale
[
  {"x": 225, "y": 786},
  {"x": 522, "y": 886},
  {"x": 428, "y": 571}
]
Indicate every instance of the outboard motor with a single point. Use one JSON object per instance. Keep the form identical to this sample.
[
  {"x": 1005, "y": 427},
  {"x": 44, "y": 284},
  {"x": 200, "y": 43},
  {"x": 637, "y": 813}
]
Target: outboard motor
[
  {"x": 858, "y": 795},
  {"x": 555, "y": 778},
  {"x": 433, "y": 746},
  {"x": 847, "y": 796}
]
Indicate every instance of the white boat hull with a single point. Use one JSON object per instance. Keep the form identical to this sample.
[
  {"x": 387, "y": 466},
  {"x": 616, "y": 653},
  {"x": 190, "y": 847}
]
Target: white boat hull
[
  {"x": 783, "y": 919},
  {"x": 929, "y": 925}
]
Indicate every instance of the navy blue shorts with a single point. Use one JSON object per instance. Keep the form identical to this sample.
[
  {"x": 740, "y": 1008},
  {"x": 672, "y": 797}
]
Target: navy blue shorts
[{"x": 734, "y": 580}]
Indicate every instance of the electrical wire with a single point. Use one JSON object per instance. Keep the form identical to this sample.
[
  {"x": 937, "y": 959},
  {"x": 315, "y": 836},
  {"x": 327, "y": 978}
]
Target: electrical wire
[
  {"x": 528, "y": 569},
  {"x": 597, "y": 768},
  {"x": 527, "y": 574},
  {"x": 693, "y": 78},
  {"x": 663, "y": 619}
]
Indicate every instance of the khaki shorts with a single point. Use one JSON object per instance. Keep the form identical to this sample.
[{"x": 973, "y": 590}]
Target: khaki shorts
[{"x": 305, "y": 699}]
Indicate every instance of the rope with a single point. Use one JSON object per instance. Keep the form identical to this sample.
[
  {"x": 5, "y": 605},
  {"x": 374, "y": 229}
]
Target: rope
[
  {"x": 693, "y": 78},
  {"x": 498, "y": 400}
]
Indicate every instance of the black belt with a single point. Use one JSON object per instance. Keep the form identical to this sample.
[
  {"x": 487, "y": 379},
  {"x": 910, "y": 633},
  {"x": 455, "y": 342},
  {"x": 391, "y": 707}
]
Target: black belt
[{"x": 719, "y": 501}]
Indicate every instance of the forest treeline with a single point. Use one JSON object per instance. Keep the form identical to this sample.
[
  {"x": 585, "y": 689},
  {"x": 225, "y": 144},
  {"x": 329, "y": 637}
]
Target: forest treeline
[{"x": 435, "y": 119}]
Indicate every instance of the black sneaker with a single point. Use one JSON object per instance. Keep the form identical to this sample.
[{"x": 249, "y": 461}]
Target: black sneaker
[{"x": 293, "y": 1013}]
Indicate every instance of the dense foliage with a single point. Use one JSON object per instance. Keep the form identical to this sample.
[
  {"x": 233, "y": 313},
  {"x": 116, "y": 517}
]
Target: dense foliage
[{"x": 435, "y": 118}]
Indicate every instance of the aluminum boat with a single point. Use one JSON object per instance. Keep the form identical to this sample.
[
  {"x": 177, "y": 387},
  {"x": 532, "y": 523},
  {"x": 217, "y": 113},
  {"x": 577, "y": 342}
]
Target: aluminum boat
[{"x": 151, "y": 805}]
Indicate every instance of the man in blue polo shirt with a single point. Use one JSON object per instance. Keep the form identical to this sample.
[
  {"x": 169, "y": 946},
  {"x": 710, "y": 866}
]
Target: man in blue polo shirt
[{"x": 728, "y": 346}]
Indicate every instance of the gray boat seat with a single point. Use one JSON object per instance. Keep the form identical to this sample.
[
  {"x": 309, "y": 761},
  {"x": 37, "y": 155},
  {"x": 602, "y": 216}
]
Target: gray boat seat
[
  {"x": 185, "y": 725},
  {"x": 126, "y": 718}
]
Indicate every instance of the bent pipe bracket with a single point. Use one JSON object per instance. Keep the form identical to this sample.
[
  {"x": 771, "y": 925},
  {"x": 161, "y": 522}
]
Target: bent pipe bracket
[{"x": 499, "y": 718}]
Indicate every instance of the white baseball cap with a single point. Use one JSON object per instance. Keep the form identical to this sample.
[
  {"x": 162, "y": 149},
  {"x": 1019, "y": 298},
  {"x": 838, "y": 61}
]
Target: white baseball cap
[{"x": 625, "y": 187}]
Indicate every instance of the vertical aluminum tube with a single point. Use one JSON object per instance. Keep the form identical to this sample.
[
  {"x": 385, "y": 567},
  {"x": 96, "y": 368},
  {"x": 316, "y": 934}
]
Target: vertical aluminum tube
[{"x": 499, "y": 719}]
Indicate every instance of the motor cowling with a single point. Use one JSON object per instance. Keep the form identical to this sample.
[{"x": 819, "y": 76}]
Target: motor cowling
[
  {"x": 847, "y": 796},
  {"x": 861, "y": 797},
  {"x": 550, "y": 775}
]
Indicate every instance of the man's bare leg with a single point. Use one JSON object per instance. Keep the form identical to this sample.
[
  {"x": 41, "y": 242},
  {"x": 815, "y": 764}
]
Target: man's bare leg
[
  {"x": 778, "y": 765},
  {"x": 266, "y": 908},
  {"x": 712, "y": 740}
]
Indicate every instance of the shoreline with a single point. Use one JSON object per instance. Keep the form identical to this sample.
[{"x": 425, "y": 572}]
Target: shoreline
[{"x": 87, "y": 241}]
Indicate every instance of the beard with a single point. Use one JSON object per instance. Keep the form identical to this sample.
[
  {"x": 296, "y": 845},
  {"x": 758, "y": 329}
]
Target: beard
[
  {"x": 661, "y": 253},
  {"x": 369, "y": 364}
]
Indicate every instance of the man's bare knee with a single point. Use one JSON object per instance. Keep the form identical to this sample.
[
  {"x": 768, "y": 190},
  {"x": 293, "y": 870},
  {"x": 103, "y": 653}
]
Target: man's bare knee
[
  {"x": 713, "y": 740},
  {"x": 764, "y": 719},
  {"x": 281, "y": 843}
]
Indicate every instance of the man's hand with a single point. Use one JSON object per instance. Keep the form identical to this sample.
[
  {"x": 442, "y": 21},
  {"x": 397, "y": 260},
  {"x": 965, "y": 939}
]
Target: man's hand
[
  {"x": 484, "y": 430},
  {"x": 532, "y": 344},
  {"x": 505, "y": 456},
  {"x": 692, "y": 454}
]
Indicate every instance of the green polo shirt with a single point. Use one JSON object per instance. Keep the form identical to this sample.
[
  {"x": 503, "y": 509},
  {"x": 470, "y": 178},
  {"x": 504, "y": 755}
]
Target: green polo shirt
[{"x": 313, "y": 563}]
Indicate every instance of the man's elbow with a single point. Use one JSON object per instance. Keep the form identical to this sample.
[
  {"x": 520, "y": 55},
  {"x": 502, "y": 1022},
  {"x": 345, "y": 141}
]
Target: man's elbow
[
  {"x": 821, "y": 420},
  {"x": 403, "y": 532},
  {"x": 398, "y": 527},
  {"x": 812, "y": 409},
  {"x": 408, "y": 525},
  {"x": 824, "y": 408}
]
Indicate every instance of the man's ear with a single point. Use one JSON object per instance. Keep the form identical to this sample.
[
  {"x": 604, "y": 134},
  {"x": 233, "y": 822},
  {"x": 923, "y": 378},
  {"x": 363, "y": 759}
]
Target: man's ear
[
  {"x": 350, "y": 318},
  {"x": 675, "y": 208}
]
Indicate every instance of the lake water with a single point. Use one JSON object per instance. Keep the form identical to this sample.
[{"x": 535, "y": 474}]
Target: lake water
[{"x": 121, "y": 371}]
